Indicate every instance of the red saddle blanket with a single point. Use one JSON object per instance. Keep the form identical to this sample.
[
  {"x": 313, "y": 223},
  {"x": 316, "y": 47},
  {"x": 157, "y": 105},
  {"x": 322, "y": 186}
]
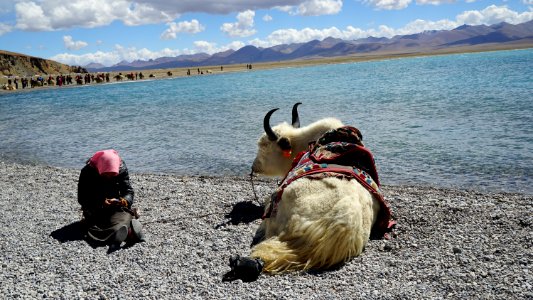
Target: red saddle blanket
[{"x": 339, "y": 153}]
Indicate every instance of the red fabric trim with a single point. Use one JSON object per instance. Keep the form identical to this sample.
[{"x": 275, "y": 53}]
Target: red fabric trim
[
  {"x": 358, "y": 155},
  {"x": 361, "y": 153}
]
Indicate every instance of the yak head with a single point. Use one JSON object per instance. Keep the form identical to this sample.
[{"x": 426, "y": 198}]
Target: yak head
[{"x": 278, "y": 146}]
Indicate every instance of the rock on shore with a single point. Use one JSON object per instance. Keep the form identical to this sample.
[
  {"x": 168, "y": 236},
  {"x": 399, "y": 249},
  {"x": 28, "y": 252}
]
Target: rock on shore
[
  {"x": 22, "y": 65},
  {"x": 448, "y": 244}
]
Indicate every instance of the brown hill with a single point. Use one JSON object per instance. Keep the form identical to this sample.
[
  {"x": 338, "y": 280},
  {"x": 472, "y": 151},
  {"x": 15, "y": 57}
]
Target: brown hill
[{"x": 16, "y": 64}]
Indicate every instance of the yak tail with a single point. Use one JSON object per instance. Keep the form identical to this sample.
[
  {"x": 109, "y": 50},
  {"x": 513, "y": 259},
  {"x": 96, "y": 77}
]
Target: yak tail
[
  {"x": 276, "y": 255},
  {"x": 317, "y": 244}
]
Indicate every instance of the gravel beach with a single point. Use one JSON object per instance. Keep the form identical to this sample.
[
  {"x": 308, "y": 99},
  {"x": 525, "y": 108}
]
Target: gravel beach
[{"x": 448, "y": 244}]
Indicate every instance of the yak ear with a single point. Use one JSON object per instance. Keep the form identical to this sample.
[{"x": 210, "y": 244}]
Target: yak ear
[
  {"x": 284, "y": 143},
  {"x": 359, "y": 135}
]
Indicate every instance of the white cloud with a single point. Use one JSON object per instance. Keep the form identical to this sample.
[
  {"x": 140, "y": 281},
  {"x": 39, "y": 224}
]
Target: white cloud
[
  {"x": 105, "y": 58},
  {"x": 401, "y": 4},
  {"x": 288, "y": 36},
  {"x": 313, "y": 8},
  {"x": 120, "y": 53},
  {"x": 30, "y": 16},
  {"x": 139, "y": 14},
  {"x": 70, "y": 44},
  {"x": 132, "y": 53},
  {"x": 211, "y": 48},
  {"x": 418, "y": 25},
  {"x": 191, "y": 27},
  {"x": 490, "y": 15},
  {"x": 4, "y": 28},
  {"x": 47, "y": 15},
  {"x": 243, "y": 27},
  {"x": 388, "y": 4},
  {"x": 494, "y": 14},
  {"x": 319, "y": 7},
  {"x": 284, "y": 8},
  {"x": 217, "y": 6},
  {"x": 438, "y": 2},
  {"x": 205, "y": 47},
  {"x": 267, "y": 18},
  {"x": 527, "y": 2},
  {"x": 235, "y": 45}
]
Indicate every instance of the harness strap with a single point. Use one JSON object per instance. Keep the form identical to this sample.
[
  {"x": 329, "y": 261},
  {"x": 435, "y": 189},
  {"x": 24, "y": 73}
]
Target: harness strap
[{"x": 317, "y": 163}]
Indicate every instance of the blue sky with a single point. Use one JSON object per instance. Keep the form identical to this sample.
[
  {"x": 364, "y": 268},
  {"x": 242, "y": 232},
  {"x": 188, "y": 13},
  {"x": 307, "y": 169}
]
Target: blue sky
[{"x": 79, "y": 32}]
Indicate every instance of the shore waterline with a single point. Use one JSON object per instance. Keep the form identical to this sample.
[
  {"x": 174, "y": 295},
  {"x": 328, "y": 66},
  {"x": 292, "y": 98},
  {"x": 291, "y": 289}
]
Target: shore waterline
[{"x": 460, "y": 120}]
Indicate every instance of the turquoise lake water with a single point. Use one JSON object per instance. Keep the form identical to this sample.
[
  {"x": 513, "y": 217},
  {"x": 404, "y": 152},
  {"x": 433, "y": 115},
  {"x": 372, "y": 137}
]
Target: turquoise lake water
[{"x": 462, "y": 120}]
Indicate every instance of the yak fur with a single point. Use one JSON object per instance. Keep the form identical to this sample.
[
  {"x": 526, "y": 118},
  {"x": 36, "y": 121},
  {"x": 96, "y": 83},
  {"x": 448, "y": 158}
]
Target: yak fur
[{"x": 319, "y": 223}]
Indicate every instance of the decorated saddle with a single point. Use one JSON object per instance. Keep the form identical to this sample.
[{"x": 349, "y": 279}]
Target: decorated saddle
[{"x": 338, "y": 153}]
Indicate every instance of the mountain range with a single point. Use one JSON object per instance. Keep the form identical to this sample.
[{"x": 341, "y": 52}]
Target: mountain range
[{"x": 464, "y": 37}]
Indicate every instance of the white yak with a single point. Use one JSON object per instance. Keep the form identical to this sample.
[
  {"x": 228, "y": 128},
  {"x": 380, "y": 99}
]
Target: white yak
[{"x": 318, "y": 223}]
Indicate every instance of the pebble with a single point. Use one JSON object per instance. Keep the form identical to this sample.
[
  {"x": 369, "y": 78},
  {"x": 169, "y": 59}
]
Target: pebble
[{"x": 186, "y": 254}]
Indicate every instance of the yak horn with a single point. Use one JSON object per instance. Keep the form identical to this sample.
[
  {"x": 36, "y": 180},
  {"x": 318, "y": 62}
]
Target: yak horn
[
  {"x": 266, "y": 125},
  {"x": 295, "y": 117}
]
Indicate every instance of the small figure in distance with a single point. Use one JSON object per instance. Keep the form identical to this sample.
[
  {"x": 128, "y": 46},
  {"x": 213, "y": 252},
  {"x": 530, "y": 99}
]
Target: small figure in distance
[{"x": 106, "y": 195}]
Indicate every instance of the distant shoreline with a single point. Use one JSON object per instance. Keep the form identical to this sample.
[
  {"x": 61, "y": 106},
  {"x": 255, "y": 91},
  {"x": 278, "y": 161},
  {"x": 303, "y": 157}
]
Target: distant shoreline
[{"x": 211, "y": 70}]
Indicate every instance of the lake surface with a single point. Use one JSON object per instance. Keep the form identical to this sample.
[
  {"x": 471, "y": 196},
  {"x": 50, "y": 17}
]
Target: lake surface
[{"x": 462, "y": 120}]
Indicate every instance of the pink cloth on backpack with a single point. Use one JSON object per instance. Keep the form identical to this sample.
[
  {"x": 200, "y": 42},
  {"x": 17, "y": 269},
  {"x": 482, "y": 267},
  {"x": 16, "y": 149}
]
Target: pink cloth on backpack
[{"x": 106, "y": 161}]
